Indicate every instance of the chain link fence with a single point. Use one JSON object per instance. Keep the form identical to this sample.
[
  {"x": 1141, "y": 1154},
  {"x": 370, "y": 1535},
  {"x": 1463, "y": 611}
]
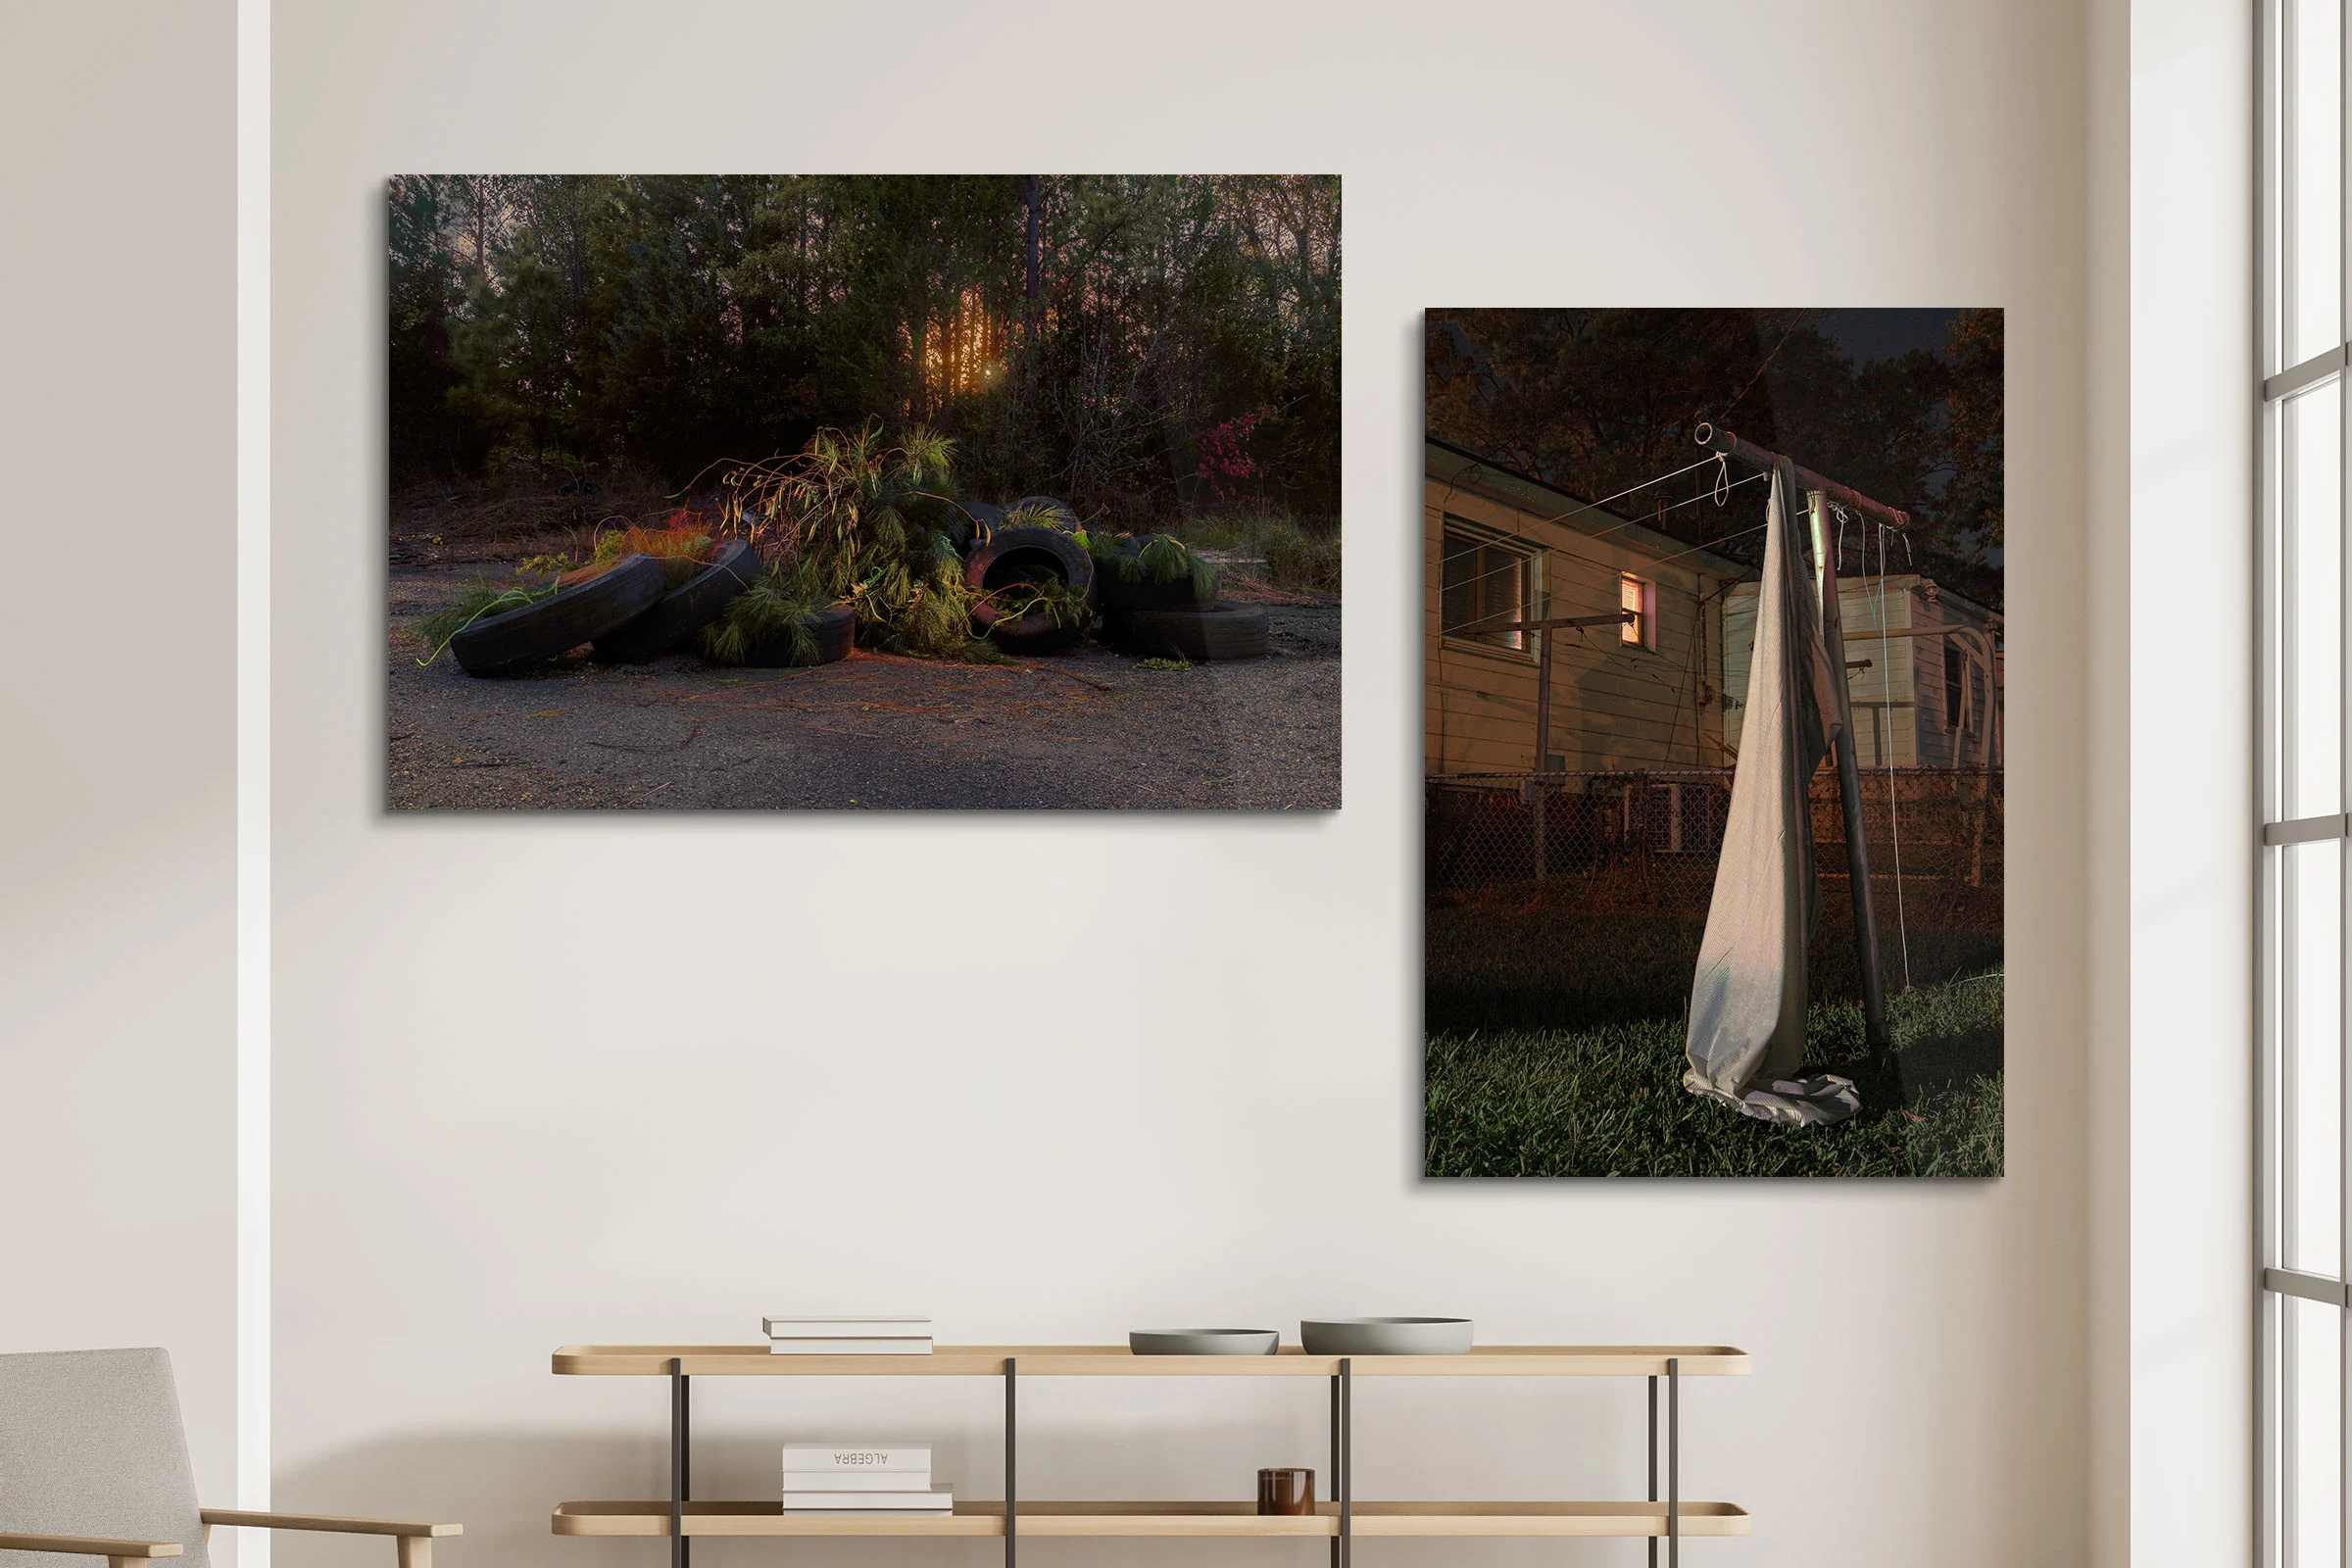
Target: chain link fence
[{"x": 1648, "y": 842}]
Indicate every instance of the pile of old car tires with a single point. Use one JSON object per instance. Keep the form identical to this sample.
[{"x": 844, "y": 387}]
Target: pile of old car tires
[
  {"x": 835, "y": 630},
  {"x": 626, "y": 614},
  {"x": 1151, "y": 619},
  {"x": 685, "y": 609},
  {"x": 1204, "y": 632},
  {"x": 580, "y": 613},
  {"x": 1177, "y": 619},
  {"x": 1005, "y": 558}
]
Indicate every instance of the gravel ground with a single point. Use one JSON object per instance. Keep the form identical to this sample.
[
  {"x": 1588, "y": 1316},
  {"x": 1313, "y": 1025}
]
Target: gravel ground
[{"x": 1089, "y": 729}]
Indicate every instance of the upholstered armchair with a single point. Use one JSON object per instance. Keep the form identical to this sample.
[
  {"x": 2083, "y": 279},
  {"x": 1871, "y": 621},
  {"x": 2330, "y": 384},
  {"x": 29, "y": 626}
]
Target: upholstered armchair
[{"x": 93, "y": 1463}]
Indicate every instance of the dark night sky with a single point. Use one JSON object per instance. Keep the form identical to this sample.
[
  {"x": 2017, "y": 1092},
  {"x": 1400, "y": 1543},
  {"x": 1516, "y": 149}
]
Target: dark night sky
[{"x": 1878, "y": 334}]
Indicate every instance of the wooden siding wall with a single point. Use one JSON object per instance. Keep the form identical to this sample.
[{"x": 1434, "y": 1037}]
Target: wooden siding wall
[
  {"x": 1612, "y": 705},
  {"x": 1904, "y": 699}
]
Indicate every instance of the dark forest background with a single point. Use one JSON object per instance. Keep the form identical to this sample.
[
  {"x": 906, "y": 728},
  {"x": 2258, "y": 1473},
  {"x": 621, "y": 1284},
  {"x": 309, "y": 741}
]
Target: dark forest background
[
  {"x": 1596, "y": 401},
  {"x": 1138, "y": 346}
]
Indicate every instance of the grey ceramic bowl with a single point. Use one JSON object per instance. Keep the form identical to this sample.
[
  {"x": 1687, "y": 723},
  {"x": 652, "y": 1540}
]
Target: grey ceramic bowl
[
  {"x": 1386, "y": 1335},
  {"x": 1202, "y": 1342}
]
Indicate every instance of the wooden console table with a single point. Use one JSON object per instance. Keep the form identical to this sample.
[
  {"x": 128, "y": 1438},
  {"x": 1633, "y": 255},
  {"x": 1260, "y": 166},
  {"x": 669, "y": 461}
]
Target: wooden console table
[{"x": 1341, "y": 1520}]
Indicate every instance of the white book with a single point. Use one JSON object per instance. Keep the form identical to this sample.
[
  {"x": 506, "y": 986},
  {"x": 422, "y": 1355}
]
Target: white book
[
  {"x": 844, "y": 1327},
  {"x": 849, "y": 1347},
  {"x": 857, "y": 1480},
  {"x": 839, "y": 1456},
  {"x": 932, "y": 1500}
]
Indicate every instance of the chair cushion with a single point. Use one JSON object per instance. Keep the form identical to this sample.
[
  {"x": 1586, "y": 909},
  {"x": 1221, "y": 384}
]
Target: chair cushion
[{"x": 91, "y": 1444}]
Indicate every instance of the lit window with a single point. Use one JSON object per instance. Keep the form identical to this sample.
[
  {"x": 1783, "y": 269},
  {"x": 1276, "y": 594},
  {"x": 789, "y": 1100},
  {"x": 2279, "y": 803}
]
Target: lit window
[
  {"x": 1640, "y": 599},
  {"x": 1488, "y": 586}
]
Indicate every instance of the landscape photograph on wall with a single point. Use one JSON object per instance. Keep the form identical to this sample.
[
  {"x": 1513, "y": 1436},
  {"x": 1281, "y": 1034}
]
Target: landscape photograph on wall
[
  {"x": 864, "y": 492},
  {"x": 1713, "y": 640}
]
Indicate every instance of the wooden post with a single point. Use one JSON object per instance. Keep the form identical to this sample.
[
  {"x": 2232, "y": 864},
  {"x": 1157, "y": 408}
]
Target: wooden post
[
  {"x": 1542, "y": 748},
  {"x": 1849, "y": 782}
]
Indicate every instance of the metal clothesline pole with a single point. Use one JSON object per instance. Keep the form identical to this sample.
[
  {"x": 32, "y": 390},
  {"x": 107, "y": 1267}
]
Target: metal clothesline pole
[
  {"x": 1849, "y": 786},
  {"x": 1849, "y": 783},
  {"x": 1715, "y": 439}
]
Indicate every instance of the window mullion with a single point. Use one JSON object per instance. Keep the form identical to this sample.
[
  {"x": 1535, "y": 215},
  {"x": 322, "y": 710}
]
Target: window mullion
[
  {"x": 2343, "y": 278},
  {"x": 2275, "y": 1410}
]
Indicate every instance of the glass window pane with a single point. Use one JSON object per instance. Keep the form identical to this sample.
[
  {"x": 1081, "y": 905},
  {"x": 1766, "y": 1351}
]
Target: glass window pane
[
  {"x": 2312, "y": 1364},
  {"x": 2311, "y": 946},
  {"x": 1479, "y": 586},
  {"x": 2313, "y": 187},
  {"x": 2311, "y": 563},
  {"x": 1457, "y": 604}
]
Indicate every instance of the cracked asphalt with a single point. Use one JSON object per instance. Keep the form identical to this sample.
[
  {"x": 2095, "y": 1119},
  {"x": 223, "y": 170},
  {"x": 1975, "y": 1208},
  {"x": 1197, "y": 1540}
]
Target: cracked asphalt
[{"x": 1086, "y": 730}]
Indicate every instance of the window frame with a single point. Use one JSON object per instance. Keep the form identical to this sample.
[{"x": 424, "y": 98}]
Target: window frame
[
  {"x": 2286, "y": 1171},
  {"x": 1530, "y": 557},
  {"x": 1645, "y": 629}
]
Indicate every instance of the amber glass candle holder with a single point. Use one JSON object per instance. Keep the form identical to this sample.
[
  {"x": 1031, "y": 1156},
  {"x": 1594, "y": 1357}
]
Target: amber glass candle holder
[{"x": 1286, "y": 1492}]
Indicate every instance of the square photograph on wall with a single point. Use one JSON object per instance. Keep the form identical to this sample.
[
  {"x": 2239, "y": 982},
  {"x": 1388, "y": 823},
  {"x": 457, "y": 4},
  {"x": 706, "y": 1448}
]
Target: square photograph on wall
[
  {"x": 1712, "y": 692},
  {"x": 925, "y": 492}
]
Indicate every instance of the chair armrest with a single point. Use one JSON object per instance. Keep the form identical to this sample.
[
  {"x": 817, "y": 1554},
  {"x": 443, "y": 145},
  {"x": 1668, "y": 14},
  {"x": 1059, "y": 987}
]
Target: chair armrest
[
  {"x": 89, "y": 1546},
  {"x": 327, "y": 1521}
]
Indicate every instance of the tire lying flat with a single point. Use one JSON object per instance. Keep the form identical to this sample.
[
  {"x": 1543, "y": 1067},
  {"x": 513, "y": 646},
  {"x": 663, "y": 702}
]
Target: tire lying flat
[
  {"x": 835, "y": 630},
  {"x": 684, "y": 611},
  {"x": 500, "y": 644},
  {"x": 1119, "y": 594},
  {"x": 1113, "y": 592},
  {"x": 1212, "y": 632},
  {"x": 1006, "y": 558}
]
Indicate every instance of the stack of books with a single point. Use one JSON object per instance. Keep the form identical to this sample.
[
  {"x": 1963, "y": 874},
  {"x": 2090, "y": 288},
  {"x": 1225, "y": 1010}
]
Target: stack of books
[
  {"x": 841, "y": 1478},
  {"x": 848, "y": 1336}
]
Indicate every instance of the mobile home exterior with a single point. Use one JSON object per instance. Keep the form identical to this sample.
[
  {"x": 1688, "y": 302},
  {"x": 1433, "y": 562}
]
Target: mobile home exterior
[
  {"x": 1927, "y": 694},
  {"x": 1641, "y": 695}
]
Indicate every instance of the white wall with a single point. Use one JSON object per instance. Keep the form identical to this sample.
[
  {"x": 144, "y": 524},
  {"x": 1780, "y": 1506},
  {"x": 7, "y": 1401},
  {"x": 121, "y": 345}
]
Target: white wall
[
  {"x": 118, "y": 785},
  {"x": 496, "y": 1133},
  {"x": 2174, "y": 818}
]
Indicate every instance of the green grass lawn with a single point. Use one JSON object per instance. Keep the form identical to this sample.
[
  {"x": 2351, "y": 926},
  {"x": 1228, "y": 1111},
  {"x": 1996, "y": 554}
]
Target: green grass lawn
[
  {"x": 1503, "y": 965},
  {"x": 1606, "y": 1098}
]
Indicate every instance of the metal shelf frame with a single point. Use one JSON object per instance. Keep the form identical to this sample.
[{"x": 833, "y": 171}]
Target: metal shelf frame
[{"x": 1342, "y": 1461}]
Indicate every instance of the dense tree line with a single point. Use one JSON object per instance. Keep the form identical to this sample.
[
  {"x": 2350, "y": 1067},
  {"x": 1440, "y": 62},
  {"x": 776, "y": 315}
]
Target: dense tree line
[
  {"x": 1138, "y": 345},
  {"x": 1597, "y": 400}
]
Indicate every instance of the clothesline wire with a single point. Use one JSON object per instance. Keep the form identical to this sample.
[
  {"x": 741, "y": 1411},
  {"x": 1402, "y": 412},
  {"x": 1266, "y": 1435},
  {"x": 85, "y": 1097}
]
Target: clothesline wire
[
  {"x": 1721, "y": 489},
  {"x": 1471, "y": 582},
  {"x": 1760, "y": 369},
  {"x": 1902, "y": 930}
]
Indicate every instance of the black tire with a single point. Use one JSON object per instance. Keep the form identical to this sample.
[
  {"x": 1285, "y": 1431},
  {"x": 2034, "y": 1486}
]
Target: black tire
[
  {"x": 557, "y": 624},
  {"x": 1215, "y": 632},
  {"x": 980, "y": 518},
  {"x": 1007, "y": 556},
  {"x": 1117, "y": 592},
  {"x": 686, "y": 610},
  {"x": 1064, "y": 519},
  {"x": 1034, "y": 634},
  {"x": 835, "y": 630}
]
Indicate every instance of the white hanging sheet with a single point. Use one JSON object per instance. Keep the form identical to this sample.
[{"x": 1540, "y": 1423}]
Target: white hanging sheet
[{"x": 1746, "y": 1036}]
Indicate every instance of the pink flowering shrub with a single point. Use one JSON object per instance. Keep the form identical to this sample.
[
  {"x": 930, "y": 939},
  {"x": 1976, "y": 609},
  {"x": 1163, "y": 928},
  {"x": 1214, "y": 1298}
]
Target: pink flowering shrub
[{"x": 1225, "y": 467}]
